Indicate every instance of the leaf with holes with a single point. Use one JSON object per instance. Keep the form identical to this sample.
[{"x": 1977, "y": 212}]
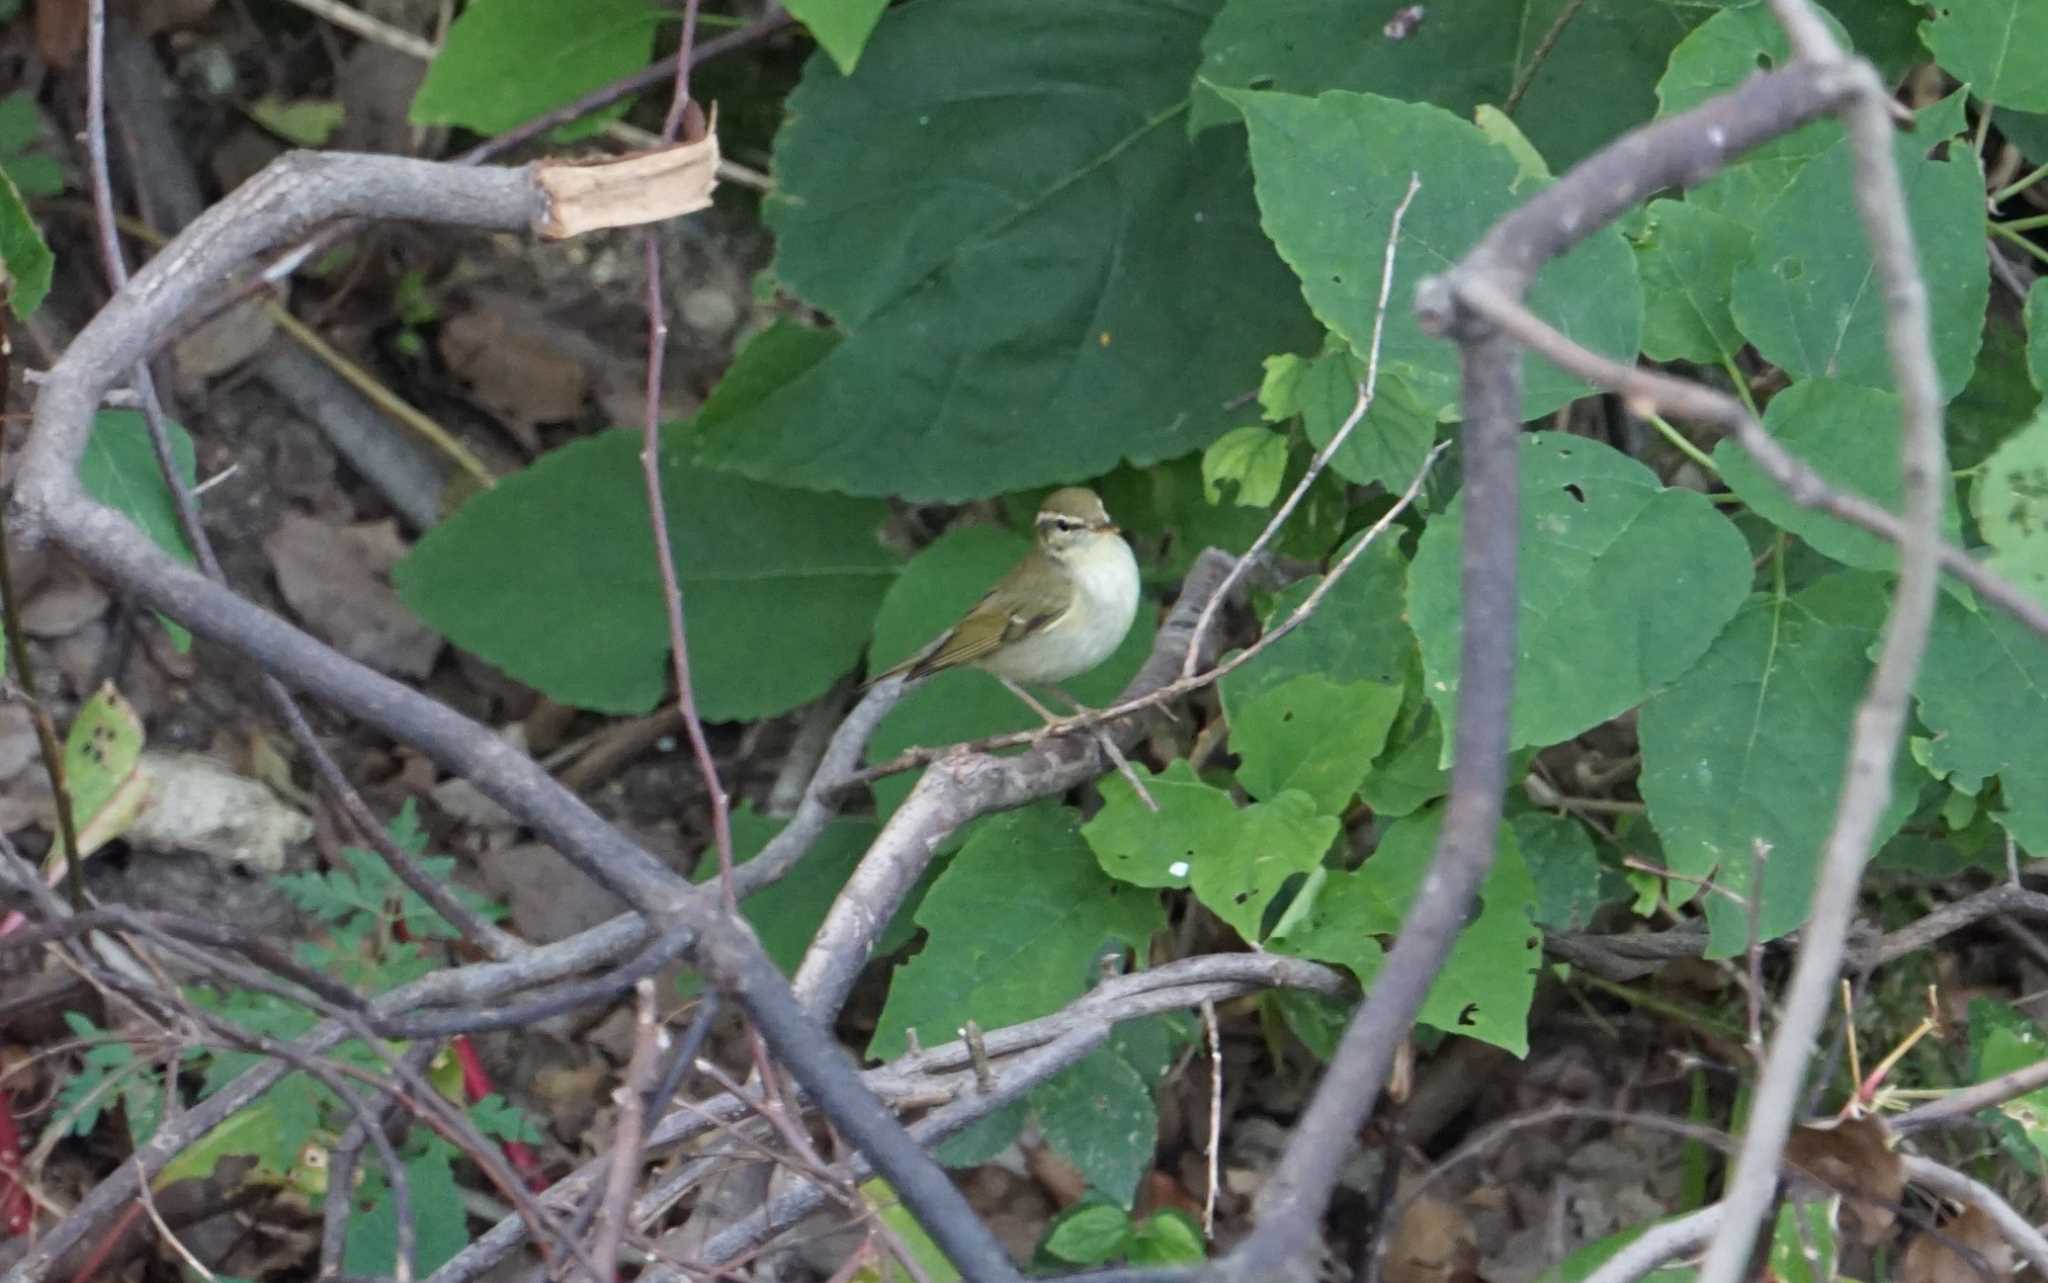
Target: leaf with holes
[
  {"x": 1624, "y": 584},
  {"x": 1688, "y": 255},
  {"x": 1489, "y": 980},
  {"x": 1995, "y": 47},
  {"x": 1459, "y": 56},
  {"x": 1809, "y": 298},
  {"x": 1724, "y": 51}
]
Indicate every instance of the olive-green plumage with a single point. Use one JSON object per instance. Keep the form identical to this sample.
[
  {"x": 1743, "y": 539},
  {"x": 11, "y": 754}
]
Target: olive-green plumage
[{"x": 1059, "y": 612}]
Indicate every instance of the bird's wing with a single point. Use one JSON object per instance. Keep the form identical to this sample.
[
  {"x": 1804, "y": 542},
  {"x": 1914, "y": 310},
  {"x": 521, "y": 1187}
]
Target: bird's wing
[{"x": 1030, "y": 598}]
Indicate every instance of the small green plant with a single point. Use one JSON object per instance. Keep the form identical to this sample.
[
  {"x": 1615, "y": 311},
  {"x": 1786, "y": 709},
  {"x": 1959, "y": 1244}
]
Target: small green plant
[{"x": 372, "y": 933}]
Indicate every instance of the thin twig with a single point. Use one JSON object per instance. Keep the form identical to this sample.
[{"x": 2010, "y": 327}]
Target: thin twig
[
  {"x": 657, "y": 508},
  {"x": 630, "y": 1134},
  {"x": 1359, "y": 409},
  {"x": 1213, "y": 1149},
  {"x": 1525, "y": 75}
]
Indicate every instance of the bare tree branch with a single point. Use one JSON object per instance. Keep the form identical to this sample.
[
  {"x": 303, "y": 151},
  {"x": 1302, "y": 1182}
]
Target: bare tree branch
[{"x": 1874, "y": 742}]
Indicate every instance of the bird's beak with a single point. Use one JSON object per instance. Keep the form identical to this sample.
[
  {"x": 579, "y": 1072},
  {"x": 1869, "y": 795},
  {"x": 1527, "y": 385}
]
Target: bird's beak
[{"x": 1109, "y": 528}]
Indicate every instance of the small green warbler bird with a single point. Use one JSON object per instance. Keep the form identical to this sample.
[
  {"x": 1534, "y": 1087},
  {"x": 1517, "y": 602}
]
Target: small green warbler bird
[{"x": 1062, "y": 611}]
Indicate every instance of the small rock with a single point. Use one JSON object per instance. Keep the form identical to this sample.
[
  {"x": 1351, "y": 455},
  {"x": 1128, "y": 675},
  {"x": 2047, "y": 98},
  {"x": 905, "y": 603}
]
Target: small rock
[
  {"x": 197, "y": 804},
  {"x": 710, "y": 312},
  {"x": 334, "y": 578},
  {"x": 68, "y": 602}
]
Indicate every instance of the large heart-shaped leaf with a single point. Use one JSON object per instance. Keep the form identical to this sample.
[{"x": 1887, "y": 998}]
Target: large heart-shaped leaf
[
  {"x": 1623, "y": 584},
  {"x": 551, "y": 576},
  {"x": 1038, "y": 273}
]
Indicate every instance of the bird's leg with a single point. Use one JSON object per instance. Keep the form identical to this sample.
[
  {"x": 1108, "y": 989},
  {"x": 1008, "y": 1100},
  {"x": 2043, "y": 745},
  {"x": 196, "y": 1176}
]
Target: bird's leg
[{"x": 1116, "y": 755}]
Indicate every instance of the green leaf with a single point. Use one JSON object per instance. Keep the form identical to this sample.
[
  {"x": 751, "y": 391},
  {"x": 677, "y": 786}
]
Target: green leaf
[
  {"x": 1984, "y": 692},
  {"x": 1251, "y": 460},
  {"x": 1803, "y": 1243},
  {"x": 1021, "y": 306},
  {"x": 1461, "y": 55},
  {"x": 303, "y": 122},
  {"x": 1158, "y": 848},
  {"x": 1100, "y": 1116},
  {"x": 440, "y": 1223},
  {"x": 1688, "y": 254},
  {"x": 1330, "y": 172},
  {"x": 1312, "y": 734},
  {"x": 550, "y": 575},
  {"x": 1623, "y": 584},
  {"x": 1389, "y": 445},
  {"x": 2012, "y": 1042},
  {"x": 2010, "y": 501},
  {"x": 102, "y": 747},
  {"x": 1999, "y": 401},
  {"x": 1410, "y": 774},
  {"x": 1809, "y": 297},
  {"x": 1015, "y": 928},
  {"x": 1171, "y": 1237},
  {"x": 1727, "y": 49},
  {"x": 119, "y": 469},
  {"x": 2037, "y": 334},
  {"x": 979, "y": 1142},
  {"x": 938, "y": 585},
  {"x": 1995, "y": 47},
  {"x": 841, "y": 27},
  {"x": 25, "y": 260},
  {"x": 1850, "y": 435},
  {"x": 787, "y": 913},
  {"x": 507, "y": 61},
  {"x": 1090, "y": 1234},
  {"x": 1563, "y": 868},
  {"x": 933, "y": 1265},
  {"x": 1487, "y": 984},
  {"x": 1357, "y": 634},
  {"x": 1749, "y": 747},
  {"x": 1236, "y": 859},
  {"x": 34, "y": 173}
]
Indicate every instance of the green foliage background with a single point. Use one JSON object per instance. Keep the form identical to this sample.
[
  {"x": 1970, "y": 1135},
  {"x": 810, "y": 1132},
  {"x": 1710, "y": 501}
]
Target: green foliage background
[{"x": 1139, "y": 244}]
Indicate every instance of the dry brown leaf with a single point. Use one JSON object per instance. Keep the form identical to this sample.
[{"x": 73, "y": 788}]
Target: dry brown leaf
[
  {"x": 1939, "y": 1257},
  {"x": 66, "y": 602},
  {"x": 1853, "y": 1158},
  {"x": 517, "y": 372},
  {"x": 225, "y": 341},
  {"x": 60, "y": 31},
  {"x": 334, "y": 577},
  {"x": 1434, "y": 1243}
]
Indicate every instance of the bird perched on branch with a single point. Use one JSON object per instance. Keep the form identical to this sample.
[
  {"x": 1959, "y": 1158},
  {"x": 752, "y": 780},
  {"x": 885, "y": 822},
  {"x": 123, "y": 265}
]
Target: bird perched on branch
[{"x": 1064, "y": 608}]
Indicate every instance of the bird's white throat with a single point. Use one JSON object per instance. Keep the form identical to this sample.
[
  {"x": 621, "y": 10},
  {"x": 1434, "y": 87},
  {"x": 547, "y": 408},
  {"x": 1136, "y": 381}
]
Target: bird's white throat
[{"x": 1105, "y": 576}]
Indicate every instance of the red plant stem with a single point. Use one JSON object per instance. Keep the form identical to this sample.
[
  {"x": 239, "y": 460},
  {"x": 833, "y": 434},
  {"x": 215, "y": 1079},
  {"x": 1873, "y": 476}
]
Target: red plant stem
[
  {"x": 17, "y": 1209},
  {"x": 476, "y": 1084}
]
